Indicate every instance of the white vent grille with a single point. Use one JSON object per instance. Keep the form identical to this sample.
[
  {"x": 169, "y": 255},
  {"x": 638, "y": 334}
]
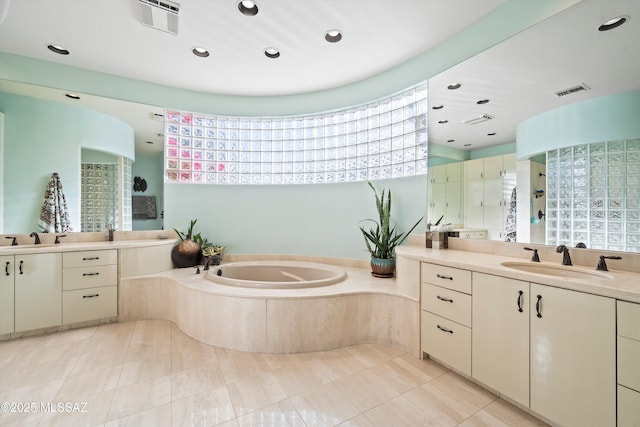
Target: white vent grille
[
  {"x": 160, "y": 14},
  {"x": 483, "y": 118},
  {"x": 571, "y": 90}
]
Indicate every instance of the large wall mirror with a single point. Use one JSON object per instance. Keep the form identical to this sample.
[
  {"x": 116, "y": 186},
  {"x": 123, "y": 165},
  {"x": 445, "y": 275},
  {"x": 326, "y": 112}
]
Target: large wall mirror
[{"x": 94, "y": 144}]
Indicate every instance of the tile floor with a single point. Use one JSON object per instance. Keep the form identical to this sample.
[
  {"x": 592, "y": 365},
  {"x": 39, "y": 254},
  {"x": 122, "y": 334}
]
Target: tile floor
[{"x": 148, "y": 373}]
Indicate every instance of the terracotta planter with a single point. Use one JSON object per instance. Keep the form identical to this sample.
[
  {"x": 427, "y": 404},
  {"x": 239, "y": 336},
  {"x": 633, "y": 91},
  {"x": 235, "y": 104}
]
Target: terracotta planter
[
  {"x": 383, "y": 267},
  {"x": 186, "y": 254}
]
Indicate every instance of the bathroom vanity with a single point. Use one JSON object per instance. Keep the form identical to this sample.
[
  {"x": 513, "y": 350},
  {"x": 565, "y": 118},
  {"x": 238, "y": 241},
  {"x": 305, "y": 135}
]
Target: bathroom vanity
[
  {"x": 567, "y": 349},
  {"x": 51, "y": 287}
]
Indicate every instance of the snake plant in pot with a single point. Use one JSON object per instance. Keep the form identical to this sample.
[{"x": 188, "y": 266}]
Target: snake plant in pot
[{"x": 382, "y": 239}]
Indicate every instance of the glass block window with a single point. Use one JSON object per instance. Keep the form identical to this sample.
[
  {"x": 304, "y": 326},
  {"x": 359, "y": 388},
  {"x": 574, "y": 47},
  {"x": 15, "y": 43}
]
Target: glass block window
[
  {"x": 127, "y": 211},
  {"x": 99, "y": 195},
  {"x": 382, "y": 139},
  {"x": 593, "y": 195}
]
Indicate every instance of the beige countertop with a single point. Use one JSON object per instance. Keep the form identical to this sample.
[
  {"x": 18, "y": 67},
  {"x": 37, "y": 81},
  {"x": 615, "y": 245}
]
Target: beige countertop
[
  {"x": 82, "y": 246},
  {"x": 617, "y": 284}
]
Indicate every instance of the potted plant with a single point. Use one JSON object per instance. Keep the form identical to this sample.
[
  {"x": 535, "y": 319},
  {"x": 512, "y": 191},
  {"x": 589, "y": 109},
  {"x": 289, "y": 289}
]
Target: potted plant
[
  {"x": 212, "y": 254},
  {"x": 188, "y": 252},
  {"x": 382, "y": 240}
]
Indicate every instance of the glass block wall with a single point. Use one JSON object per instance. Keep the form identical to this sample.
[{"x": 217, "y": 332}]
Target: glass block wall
[
  {"x": 127, "y": 212},
  {"x": 593, "y": 195},
  {"x": 383, "y": 139},
  {"x": 99, "y": 195}
]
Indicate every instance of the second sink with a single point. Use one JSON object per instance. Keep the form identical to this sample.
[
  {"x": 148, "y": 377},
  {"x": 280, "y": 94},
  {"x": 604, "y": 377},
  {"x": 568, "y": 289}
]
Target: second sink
[{"x": 556, "y": 270}]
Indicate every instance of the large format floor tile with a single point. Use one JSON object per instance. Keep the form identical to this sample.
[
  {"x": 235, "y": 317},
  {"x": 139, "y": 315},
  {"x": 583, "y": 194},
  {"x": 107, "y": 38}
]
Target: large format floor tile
[{"x": 149, "y": 373}]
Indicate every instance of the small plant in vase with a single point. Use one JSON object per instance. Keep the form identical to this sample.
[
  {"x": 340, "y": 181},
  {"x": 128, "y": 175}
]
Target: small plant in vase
[
  {"x": 382, "y": 240},
  {"x": 212, "y": 254},
  {"x": 188, "y": 252}
]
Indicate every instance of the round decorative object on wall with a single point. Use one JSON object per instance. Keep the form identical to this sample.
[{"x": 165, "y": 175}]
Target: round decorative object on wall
[{"x": 139, "y": 184}]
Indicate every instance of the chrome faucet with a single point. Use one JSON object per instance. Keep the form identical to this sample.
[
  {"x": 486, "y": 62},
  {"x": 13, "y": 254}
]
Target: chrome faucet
[
  {"x": 566, "y": 259},
  {"x": 37, "y": 241}
]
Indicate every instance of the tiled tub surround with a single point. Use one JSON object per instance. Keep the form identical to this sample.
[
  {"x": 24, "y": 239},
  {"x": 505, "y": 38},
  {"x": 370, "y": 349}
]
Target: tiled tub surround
[{"x": 359, "y": 310}]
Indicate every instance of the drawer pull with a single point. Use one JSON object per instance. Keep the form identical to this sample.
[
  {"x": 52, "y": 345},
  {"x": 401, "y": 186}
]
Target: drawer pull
[
  {"x": 90, "y": 296},
  {"x": 443, "y": 329},
  {"x": 520, "y": 301},
  {"x": 93, "y": 258},
  {"x": 538, "y": 306},
  {"x": 440, "y": 276},
  {"x": 90, "y": 274},
  {"x": 444, "y": 299},
  {"x": 6, "y": 269}
]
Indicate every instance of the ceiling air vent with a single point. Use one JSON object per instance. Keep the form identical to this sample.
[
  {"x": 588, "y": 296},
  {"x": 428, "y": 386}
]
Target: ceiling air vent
[
  {"x": 571, "y": 90},
  {"x": 483, "y": 118},
  {"x": 160, "y": 14}
]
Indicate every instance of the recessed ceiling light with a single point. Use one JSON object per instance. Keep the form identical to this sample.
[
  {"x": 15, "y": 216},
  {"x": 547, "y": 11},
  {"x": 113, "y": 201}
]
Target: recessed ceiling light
[
  {"x": 333, "y": 36},
  {"x": 438, "y": 107},
  {"x": 57, "y": 49},
  {"x": 272, "y": 52},
  {"x": 451, "y": 140},
  {"x": 467, "y": 145},
  {"x": 200, "y": 51},
  {"x": 72, "y": 96},
  {"x": 443, "y": 121},
  {"x": 483, "y": 101},
  {"x": 491, "y": 134},
  {"x": 454, "y": 86},
  {"x": 248, "y": 7},
  {"x": 613, "y": 23}
]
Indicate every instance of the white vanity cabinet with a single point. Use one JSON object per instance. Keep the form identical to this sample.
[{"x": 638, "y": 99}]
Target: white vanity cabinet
[
  {"x": 500, "y": 353},
  {"x": 89, "y": 285},
  {"x": 446, "y": 315},
  {"x": 445, "y": 193},
  {"x": 6, "y": 294},
  {"x": 628, "y": 364},
  {"x": 37, "y": 291},
  {"x": 572, "y": 356}
]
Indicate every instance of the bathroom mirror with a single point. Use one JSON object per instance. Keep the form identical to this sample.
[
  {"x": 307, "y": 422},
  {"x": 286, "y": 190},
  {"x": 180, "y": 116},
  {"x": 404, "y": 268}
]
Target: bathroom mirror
[{"x": 59, "y": 129}]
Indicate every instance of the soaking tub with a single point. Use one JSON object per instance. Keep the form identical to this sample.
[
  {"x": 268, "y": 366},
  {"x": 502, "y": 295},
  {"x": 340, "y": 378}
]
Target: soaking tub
[{"x": 276, "y": 274}]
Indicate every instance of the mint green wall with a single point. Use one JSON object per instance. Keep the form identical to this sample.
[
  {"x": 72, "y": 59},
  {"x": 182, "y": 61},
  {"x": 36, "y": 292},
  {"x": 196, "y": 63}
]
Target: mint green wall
[
  {"x": 321, "y": 219},
  {"x": 608, "y": 118},
  {"x": 496, "y": 150},
  {"x": 149, "y": 167},
  {"x": 42, "y": 137}
]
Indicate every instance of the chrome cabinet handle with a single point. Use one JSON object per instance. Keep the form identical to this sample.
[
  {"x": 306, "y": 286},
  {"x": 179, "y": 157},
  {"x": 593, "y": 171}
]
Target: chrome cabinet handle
[
  {"x": 443, "y": 329},
  {"x": 444, "y": 299}
]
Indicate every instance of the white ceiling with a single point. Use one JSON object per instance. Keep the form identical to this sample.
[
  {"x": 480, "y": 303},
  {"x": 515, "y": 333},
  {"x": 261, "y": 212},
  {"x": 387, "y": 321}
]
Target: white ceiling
[{"x": 518, "y": 76}]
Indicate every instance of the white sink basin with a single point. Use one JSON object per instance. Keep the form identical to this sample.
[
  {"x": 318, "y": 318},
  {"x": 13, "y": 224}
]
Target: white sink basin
[{"x": 556, "y": 270}]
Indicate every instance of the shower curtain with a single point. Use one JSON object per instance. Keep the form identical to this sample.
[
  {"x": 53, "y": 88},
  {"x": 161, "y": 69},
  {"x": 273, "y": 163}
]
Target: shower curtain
[{"x": 54, "y": 215}]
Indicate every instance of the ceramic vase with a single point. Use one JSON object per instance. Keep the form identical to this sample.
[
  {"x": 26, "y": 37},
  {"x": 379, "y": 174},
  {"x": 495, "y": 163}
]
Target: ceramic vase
[
  {"x": 383, "y": 267},
  {"x": 187, "y": 253}
]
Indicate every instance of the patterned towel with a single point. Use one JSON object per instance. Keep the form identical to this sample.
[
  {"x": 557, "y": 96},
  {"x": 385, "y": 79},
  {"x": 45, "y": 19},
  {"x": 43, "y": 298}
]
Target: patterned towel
[
  {"x": 510, "y": 227},
  {"x": 54, "y": 215}
]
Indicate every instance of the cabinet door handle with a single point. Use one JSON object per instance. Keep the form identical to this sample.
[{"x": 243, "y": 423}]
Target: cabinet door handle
[
  {"x": 444, "y": 299},
  {"x": 520, "y": 301},
  {"x": 6, "y": 269},
  {"x": 91, "y": 258},
  {"x": 90, "y": 274},
  {"x": 90, "y": 296},
  {"x": 538, "y": 306},
  {"x": 440, "y": 276},
  {"x": 443, "y": 329},
  {"x": 20, "y": 268}
]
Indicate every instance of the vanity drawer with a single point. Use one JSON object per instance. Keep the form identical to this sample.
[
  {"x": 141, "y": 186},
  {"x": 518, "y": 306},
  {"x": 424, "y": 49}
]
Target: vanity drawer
[
  {"x": 449, "y": 304},
  {"x": 89, "y": 277},
  {"x": 628, "y": 407},
  {"x": 629, "y": 320},
  {"x": 89, "y": 304},
  {"x": 89, "y": 258},
  {"x": 629, "y": 363},
  {"x": 446, "y": 341},
  {"x": 447, "y": 277}
]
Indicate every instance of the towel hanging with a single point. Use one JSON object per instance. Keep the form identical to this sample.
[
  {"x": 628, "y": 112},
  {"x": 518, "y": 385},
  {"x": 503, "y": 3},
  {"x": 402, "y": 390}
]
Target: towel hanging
[
  {"x": 54, "y": 215},
  {"x": 510, "y": 226}
]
